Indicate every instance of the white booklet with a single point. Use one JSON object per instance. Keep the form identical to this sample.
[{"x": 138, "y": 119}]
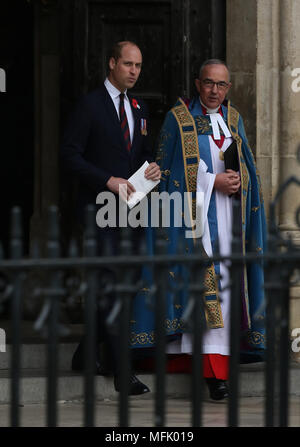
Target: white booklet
[{"x": 141, "y": 184}]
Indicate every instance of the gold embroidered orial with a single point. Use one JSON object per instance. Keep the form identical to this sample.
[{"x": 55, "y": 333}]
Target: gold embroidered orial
[
  {"x": 190, "y": 142},
  {"x": 184, "y": 118},
  {"x": 148, "y": 338},
  {"x": 190, "y": 150},
  {"x": 192, "y": 171},
  {"x": 173, "y": 325},
  {"x": 203, "y": 124},
  {"x": 213, "y": 315},
  {"x": 255, "y": 337},
  {"x": 210, "y": 281},
  {"x": 213, "y": 310},
  {"x": 143, "y": 338}
]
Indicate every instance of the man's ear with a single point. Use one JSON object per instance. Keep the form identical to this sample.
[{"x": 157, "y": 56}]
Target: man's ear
[
  {"x": 112, "y": 63},
  {"x": 197, "y": 84}
]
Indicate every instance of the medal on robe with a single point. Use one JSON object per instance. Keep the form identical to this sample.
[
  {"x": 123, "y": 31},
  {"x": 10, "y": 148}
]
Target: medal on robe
[
  {"x": 143, "y": 126},
  {"x": 221, "y": 155}
]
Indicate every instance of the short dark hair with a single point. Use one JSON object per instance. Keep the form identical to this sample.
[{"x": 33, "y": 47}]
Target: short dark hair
[
  {"x": 116, "y": 49},
  {"x": 212, "y": 62}
]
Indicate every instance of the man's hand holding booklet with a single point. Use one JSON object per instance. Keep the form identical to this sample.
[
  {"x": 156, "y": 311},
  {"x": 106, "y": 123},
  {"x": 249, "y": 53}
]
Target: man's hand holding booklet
[{"x": 141, "y": 184}]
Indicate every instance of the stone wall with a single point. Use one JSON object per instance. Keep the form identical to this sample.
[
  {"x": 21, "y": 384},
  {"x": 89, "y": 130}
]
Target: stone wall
[
  {"x": 263, "y": 49},
  {"x": 241, "y": 32}
]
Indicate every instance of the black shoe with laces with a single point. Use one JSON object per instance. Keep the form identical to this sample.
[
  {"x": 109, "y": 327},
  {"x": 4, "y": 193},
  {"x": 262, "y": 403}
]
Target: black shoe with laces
[
  {"x": 136, "y": 387},
  {"x": 218, "y": 389}
]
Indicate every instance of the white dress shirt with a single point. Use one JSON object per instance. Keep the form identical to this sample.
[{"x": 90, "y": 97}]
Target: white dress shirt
[{"x": 114, "y": 93}]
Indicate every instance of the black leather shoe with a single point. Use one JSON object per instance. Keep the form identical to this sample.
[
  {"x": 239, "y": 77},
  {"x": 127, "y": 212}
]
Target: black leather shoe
[
  {"x": 136, "y": 387},
  {"x": 218, "y": 389}
]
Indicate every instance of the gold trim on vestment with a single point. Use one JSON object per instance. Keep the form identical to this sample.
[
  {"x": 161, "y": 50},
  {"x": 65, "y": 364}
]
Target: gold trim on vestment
[{"x": 190, "y": 150}]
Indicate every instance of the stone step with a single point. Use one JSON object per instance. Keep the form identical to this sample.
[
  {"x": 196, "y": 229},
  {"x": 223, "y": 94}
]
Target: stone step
[
  {"x": 33, "y": 348},
  {"x": 71, "y": 386},
  {"x": 30, "y": 335},
  {"x": 34, "y": 356}
]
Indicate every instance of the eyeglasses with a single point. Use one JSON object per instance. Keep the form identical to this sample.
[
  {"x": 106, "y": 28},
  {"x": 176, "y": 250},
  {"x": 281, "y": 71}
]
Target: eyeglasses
[{"x": 208, "y": 83}]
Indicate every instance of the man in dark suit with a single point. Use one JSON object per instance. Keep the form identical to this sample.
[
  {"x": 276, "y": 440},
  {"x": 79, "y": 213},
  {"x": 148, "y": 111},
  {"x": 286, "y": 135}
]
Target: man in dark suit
[{"x": 105, "y": 142}]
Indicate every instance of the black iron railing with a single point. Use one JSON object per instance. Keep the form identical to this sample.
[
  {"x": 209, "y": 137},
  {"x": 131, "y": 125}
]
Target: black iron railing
[{"x": 280, "y": 262}]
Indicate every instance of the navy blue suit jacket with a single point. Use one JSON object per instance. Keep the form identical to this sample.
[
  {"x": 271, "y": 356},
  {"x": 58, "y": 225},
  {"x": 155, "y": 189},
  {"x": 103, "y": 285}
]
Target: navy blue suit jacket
[{"x": 93, "y": 147}]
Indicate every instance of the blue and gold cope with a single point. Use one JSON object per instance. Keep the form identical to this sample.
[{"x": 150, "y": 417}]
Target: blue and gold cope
[{"x": 183, "y": 140}]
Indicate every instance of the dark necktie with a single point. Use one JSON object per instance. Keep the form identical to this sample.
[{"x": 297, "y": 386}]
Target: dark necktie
[{"x": 124, "y": 123}]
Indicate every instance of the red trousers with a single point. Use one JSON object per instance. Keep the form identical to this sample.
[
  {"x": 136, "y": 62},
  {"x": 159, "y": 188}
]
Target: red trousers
[{"x": 214, "y": 365}]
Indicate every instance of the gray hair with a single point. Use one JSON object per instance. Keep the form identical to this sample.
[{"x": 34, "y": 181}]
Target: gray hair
[{"x": 212, "y": 62}]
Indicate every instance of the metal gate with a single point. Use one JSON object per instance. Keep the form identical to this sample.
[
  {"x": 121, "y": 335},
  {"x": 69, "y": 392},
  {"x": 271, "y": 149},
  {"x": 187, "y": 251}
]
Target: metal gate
[{"x": 281, "y": 261}]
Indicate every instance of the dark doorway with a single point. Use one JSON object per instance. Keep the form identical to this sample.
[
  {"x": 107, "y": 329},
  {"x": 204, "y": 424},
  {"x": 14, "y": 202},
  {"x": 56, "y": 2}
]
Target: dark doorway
[
  {"x": 16, "y": 114},
  {"x": 175, "y": 37}
]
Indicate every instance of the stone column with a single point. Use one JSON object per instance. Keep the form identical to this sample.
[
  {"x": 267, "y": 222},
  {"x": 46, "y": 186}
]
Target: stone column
[
  {"x": 289, "y": 123},
  {"x": 268, "y": 96},
  {"x": 289, "y": 103},
  {"x": 263, "y": 53},
  {"x": 241, "y": 58}
]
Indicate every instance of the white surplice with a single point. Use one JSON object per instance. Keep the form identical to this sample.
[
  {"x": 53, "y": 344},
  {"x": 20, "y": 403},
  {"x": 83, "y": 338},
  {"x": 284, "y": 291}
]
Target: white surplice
[{"x": 215, "y": 341}]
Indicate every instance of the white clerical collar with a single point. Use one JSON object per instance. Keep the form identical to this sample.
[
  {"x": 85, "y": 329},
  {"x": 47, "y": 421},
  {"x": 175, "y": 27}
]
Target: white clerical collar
[
  {"x": 207, "y": 109},
  {"x": 112, "y": 90},
  {"x": 217, "y": 122}
]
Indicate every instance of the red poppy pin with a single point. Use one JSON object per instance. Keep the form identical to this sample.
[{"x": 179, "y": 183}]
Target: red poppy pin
[{"x": 135, "y": 103}]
